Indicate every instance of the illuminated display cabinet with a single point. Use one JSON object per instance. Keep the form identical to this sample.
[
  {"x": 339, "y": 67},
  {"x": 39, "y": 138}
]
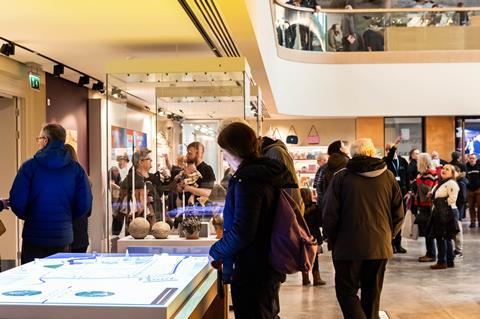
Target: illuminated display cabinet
[{"x": 107, "y": 286}]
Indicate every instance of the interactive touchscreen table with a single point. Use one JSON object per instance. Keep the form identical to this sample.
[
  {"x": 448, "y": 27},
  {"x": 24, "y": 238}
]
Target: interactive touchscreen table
[{"x": 91, "y": 286}]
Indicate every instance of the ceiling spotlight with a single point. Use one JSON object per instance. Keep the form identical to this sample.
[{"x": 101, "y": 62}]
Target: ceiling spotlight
[
  {"x": 97, "y": 86},
  {"x": 58, "y": 69},
  {"x": 8, "y": 49},
  {"x": 83, "y": 80}
]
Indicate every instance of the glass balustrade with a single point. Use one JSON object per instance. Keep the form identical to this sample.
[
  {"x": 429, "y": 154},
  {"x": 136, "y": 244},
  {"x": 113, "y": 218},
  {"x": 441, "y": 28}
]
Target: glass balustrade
[{"x": 393, "y": 29}]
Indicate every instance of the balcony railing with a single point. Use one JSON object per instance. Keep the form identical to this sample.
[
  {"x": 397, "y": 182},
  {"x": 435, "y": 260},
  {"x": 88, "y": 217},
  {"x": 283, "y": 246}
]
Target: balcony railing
[{"x": 392, "y": 29}]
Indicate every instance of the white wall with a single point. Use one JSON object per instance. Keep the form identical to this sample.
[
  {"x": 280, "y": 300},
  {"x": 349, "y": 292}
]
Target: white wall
[{"x": 364, "y": 89}]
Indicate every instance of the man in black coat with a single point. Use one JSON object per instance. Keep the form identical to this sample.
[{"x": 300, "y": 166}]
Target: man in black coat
[
  {"x": 398, "y": 166},
  {"x": 363, "y": 212}
]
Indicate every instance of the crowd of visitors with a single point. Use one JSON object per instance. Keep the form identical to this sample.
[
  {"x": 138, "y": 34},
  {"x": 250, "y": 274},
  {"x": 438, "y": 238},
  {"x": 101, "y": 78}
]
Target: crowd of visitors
[{"x": 52, "y": 194}]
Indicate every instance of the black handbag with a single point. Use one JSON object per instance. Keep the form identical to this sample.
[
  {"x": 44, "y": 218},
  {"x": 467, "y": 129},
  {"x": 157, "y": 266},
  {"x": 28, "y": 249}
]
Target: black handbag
[{"x": 292, "y": 138}]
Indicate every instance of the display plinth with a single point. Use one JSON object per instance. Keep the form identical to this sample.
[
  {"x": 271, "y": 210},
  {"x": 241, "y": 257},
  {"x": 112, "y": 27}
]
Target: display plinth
[
  {"x": 107, "y": 286},
  {"x": 171, "y": 241}
]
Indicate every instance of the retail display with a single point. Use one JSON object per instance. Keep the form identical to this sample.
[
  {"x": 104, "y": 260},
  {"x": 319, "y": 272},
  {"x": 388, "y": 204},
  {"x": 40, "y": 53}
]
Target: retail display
[
  {"x": 102, "y": 286},
  {"x": 160, "y": 230},
  {"x": 305, "y": 161},
  {"x": 313, "y": 137},
  {"x": 139, "y": 228},
  {"x": 292, "y": 137}
]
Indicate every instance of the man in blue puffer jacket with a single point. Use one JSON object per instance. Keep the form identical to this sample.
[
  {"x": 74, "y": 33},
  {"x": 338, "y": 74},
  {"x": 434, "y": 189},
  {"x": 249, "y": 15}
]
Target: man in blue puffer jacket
[{"x": 49, "y": 192}]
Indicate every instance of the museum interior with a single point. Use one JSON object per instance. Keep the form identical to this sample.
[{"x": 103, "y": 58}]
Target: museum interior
[{"x": 143, "y": 90}]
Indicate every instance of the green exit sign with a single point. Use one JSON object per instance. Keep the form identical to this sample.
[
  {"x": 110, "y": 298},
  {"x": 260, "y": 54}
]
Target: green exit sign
[{"x": 34, "y": 80}]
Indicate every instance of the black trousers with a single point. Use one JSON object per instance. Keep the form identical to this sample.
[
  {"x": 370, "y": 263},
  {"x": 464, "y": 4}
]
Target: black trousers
[
  {"x": 30, "y": 252},
  {"x": 256, "y": 300},
  {"x": 367, "y": 275}
]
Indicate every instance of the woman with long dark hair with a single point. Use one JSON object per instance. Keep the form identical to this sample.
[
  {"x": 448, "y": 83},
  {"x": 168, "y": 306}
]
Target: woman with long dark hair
[{"x": 244, "y": 249}]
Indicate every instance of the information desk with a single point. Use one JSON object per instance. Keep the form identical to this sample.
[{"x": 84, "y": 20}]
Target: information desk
[
  {"x": 171, "y": 241},
  {"x": 99, "y": 286}
]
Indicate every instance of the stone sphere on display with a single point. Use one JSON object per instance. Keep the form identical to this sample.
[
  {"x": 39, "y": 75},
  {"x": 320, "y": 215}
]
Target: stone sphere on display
[
  {"x": 161, "y": 230},
  {"x": 139, "y": 228}
]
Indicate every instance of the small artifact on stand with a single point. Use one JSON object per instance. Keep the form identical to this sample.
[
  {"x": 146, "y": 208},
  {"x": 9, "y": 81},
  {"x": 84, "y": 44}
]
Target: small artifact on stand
[
  {"x": 139, "y": 228},
  {"x": 161, "y": 230},
  {"x": 191, "y": 226},
  {"x": 217, "y": 222}
]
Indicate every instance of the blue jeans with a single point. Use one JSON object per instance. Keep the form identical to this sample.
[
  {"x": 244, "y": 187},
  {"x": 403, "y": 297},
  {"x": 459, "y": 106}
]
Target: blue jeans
[
  {"x": 431, "y": 249},
  {"x": 445, "y": 250}
]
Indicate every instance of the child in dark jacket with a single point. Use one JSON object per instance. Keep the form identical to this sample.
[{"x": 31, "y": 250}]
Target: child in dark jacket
[{"x": 314, "y": 221}]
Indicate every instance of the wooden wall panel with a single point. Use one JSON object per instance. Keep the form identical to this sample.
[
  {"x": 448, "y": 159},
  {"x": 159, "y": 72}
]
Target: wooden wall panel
[
  {"x": 440, "y": 135},
  {"x": 371, "y": 127}
]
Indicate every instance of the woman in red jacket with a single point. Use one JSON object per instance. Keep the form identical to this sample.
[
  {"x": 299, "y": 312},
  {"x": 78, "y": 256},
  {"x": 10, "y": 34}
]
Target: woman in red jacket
[{"x": 426, "y": 180}]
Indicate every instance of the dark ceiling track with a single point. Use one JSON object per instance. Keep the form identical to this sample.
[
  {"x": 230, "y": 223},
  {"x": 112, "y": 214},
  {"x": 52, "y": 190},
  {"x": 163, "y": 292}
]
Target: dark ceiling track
[
  {"x": 50, "y": 59},
  {"x": 199, "y": 27}
]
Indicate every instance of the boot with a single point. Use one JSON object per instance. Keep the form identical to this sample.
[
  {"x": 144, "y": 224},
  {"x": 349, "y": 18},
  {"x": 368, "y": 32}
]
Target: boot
[
  {"x": 317, "y": 281},
  {"x": 305, "y": 280}
]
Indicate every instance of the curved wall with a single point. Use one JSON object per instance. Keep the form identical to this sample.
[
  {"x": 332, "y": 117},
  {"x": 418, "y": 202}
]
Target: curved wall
[{"x": 363, "y": 89}]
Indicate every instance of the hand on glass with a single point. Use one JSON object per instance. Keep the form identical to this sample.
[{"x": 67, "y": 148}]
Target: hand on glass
[{"x": 318, "y": 8}]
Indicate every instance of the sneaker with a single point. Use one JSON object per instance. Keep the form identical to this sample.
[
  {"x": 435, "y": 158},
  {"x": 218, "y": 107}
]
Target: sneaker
[
  {"x": 401, "y": 250},
  {"x": 458, "y": 254},
  {"x": 472, "y": 225},
  {"x": 450, "y": 264},
  {"x": 426, "y": 259},
  {"x": 439, "y": 266}
]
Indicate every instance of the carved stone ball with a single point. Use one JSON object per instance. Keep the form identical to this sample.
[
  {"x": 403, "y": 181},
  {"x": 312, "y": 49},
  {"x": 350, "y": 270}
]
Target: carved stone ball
[
  {"x": 161, "y": 230},
  {"x": 139, "y": 228}
]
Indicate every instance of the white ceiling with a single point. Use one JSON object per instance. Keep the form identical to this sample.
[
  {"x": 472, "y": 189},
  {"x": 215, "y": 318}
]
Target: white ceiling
[{"x": 86, "y": 34}]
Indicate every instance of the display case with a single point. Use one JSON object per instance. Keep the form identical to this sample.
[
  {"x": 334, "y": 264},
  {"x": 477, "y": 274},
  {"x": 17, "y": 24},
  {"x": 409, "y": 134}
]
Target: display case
[
  {"x": 103, "y": 286},
  {"x": 186, "y": 100}
]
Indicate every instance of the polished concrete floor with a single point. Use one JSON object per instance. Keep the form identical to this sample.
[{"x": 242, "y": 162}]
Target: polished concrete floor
[{"x": 411, "y": 289}]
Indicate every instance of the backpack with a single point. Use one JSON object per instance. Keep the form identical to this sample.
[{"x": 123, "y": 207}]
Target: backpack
[{"x": 293, "y": 248}]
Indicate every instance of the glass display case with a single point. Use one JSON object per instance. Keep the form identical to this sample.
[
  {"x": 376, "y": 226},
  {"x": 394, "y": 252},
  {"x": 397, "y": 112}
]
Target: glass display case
[
  {"x": 102, "y": 286},
  {"x": 176, "y": 102}
]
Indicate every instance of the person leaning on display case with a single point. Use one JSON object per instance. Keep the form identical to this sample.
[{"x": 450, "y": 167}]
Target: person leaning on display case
[
  {"x": 49, "y": 191},
  {"x": 249, "y": 212}
]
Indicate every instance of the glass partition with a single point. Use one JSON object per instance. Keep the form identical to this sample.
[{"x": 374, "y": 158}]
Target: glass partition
[
  {"x": 409, "y": 129},
  {"x": 174, "y": 168},
  {"x": 393, "y": 29}
]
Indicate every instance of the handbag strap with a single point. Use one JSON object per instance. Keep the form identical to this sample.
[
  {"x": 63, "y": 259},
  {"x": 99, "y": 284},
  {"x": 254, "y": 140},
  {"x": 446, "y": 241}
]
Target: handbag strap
[
  {"x": 313, "y": 128},
  {"x": 292, "y": 128},
  {"x": 276, "y": 131}
]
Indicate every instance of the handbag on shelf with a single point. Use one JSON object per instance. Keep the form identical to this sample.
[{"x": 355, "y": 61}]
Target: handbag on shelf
[
  {"x": 313, "y": 138},
  {"x": 276, "y": 134},
  {"x": 292, "y": 138}
]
